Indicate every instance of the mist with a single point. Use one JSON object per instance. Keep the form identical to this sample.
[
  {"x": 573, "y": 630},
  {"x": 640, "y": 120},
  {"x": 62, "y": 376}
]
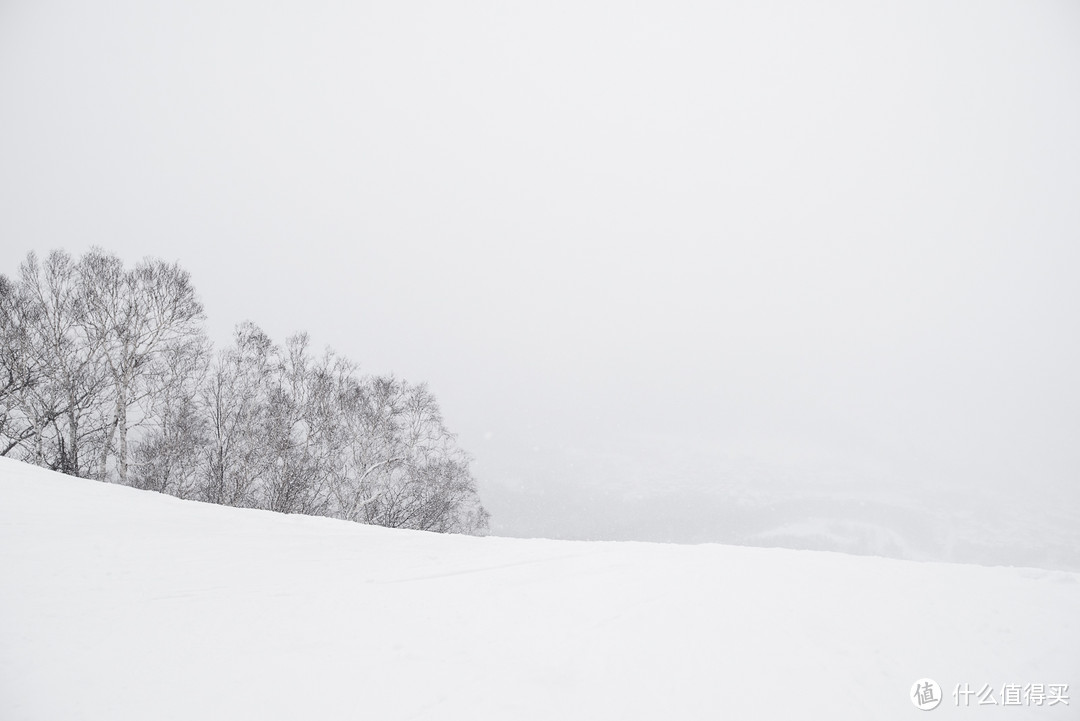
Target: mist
[{"x": 770, "y": 274}]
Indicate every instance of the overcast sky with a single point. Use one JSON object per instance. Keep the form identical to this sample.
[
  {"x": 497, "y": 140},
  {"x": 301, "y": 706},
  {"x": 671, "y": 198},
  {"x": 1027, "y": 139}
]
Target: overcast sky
[{"x": 635, "y": 247}]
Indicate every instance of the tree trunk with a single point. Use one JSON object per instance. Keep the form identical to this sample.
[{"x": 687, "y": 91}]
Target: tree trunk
[
  {"x": 107, "y": 443},
  {"x": 73, "y": 442},
  {"x": 39, "y": 444},
  {"x": 122, "y": 429}
]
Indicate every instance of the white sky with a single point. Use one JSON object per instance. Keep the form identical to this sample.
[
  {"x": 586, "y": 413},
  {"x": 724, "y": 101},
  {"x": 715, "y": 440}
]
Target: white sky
[{"x": 633, "y": 246}]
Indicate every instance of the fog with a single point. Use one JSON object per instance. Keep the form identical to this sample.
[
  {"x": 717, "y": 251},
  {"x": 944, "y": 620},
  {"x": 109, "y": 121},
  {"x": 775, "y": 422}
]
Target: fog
[{"x": 761, "y": 273}]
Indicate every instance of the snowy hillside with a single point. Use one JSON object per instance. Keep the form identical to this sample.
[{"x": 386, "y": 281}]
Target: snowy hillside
[{"x": 120, "y": 604}]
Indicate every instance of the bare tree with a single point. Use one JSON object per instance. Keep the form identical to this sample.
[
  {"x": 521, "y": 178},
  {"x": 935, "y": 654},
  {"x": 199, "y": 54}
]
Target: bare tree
[
  {"x": 76, "y": 365},
  {"x": 304, "y": 429},
  {"x": 407, "y": 471},
  {"x": 171, "y": 453},
  {"x": 54, "y": 377},
  {"x": 376, "y": 451},
  {"x": 236, "y": 401},
  {"x": 21, "y": 366},
  {"x": 131, "y": 316}
]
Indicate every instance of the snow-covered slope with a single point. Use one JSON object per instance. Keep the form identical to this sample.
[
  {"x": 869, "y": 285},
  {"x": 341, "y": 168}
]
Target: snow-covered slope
[{"x": 120, "y": 604}]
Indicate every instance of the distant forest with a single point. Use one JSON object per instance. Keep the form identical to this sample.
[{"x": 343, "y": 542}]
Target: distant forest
[{"x": 106, "y": 372}]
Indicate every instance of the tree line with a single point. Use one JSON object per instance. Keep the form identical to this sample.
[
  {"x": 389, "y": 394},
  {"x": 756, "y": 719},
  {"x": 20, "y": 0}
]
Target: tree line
[{"x": 106, "y": 372}]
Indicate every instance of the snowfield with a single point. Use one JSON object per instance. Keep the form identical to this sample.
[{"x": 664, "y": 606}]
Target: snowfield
[{"x": 121, "y": 604}]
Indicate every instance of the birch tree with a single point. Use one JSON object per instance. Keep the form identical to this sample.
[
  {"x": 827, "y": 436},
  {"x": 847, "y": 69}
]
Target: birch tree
[
  {"x": 54, "y": 376},
  {"x": 76, "y": 371},
  {"x": 406, "y": 468},
  {"x": 171, "y": 454},
  {"x": 236, "y": 401},
  {"x": 21, "y": 368},
  {"x": 131, "y": 315}
]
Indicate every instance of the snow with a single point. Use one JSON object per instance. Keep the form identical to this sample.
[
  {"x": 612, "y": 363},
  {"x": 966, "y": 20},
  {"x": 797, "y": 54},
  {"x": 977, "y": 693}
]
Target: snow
[{"x": 121, "y": 604}]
